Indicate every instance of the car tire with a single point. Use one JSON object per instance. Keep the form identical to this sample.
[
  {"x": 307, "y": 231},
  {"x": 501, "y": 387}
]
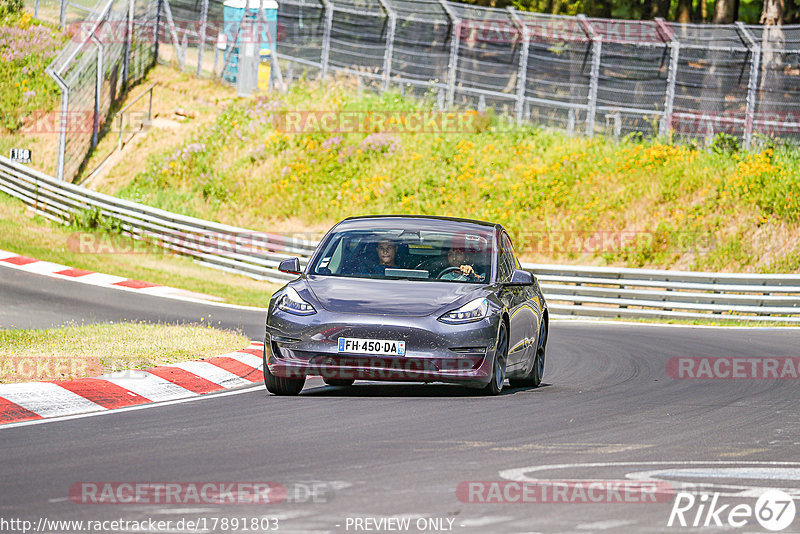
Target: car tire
[
  {"x": 341, "y": 382},
  {"x": 495, "y": 385},
  {"x": 281, "y": 386},
  {"x": 534, "y": 378}
]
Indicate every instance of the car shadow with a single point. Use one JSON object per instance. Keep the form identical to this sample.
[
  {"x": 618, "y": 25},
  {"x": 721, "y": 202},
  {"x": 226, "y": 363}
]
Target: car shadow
[{"x": 395, "y": 389}]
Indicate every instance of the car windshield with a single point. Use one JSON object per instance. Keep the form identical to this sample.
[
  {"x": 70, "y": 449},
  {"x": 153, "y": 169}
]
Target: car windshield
[{"x": 458, "y": 255}]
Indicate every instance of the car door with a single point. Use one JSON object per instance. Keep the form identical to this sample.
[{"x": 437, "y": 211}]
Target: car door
[{"x": 515, "y": 299}]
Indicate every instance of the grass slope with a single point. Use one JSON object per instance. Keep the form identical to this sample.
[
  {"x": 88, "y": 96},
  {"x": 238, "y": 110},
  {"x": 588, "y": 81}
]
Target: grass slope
[{"x": 564, "y": 199}]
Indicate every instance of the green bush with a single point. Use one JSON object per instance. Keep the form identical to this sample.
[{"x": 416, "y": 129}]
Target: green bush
[
  {"x": 26, "y": 48},
  {"x": 10, "y": 7}
]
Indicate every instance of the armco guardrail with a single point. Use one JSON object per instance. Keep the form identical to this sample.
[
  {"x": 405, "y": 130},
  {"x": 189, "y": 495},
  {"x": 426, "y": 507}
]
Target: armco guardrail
[
  {"x": 645, "y": 293},
  {"x": 238, "y": 250},
  {"x": 570, "y": 290}
]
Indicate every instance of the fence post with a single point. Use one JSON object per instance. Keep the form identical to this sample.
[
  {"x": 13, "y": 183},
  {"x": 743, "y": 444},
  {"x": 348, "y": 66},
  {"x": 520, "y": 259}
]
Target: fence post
[
  {"x": 275, "y": 66},
  {"x": 387, "y": 56},
  {"x": 36, "y": 9},
  {"x": 752, "y": 84},
  {"x": 62, "y": 14},
  {"x": 175, "y": 42},
  {"x": 98, "y": 89},
  {"x": 674, "y": 45},
  {"x": 452, "y": 64},
  {"x": 326, "y": 39},
  {"x": 62, "y": 123},
  {"x": 202, "y": 37},
  {"x": 158, "y": 26},
  {"x": 126, "y": 65},
  {"x": 594, "y": 76},
  {"x": 522, "y": 73}
]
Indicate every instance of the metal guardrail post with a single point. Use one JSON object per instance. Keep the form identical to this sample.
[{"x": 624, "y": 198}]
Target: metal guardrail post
[
  {"x": 62, "y": 123},
  {"x": 594, "y": 75},
  {"x": 522, "y": 73},
  {"x": 387, "y": 56},
  {"x": 752, "y": 83},
  {"x": 202, "y": 37},
  {"x": 452, "y": 64},
  {"x": 668, "y": 36},
  {"x": 326, "y": 40},
  {"x": 98, "y": 90}
]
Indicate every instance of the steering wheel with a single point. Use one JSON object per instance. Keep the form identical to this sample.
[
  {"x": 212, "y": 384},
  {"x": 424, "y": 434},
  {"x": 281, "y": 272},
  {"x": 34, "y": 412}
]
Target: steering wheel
[{"x": 450, "y": 270}]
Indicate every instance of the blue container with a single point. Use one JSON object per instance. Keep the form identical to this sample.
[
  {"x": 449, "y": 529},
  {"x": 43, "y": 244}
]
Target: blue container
[{"x": 233, "y": 13}]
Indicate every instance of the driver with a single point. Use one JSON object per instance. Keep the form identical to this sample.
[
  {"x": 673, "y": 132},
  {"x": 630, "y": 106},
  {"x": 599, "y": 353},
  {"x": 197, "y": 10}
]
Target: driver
[{"x": 457, "y": 257}]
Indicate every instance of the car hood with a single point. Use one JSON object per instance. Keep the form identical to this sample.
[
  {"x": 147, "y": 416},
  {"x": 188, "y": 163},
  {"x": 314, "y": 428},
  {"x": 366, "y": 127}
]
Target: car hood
[{"x": 386, "y": 297}]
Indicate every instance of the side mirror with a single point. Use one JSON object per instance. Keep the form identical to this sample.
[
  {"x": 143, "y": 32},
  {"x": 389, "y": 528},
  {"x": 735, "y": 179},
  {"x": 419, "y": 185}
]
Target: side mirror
[
  {"x": 521, "y": 278},
  {"x": 291, "y": 266}
]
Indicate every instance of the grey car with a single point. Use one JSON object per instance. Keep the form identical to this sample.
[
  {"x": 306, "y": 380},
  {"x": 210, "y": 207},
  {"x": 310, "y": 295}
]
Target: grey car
[{"x": 408, "y": 298}]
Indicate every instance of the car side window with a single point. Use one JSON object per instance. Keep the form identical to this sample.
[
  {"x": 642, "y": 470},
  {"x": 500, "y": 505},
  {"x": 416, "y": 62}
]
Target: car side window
[{"x": 506, "y": 262}]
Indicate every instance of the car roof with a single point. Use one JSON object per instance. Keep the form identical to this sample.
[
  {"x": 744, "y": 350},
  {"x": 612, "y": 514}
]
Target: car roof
[{"x": 431, "y": 217}]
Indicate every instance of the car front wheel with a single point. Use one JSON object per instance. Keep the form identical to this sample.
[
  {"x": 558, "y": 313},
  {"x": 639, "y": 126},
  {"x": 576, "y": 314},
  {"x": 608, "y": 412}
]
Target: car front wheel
[
  {"x": 534, "y": 378},
  {"x": 281, "y": 386},
  {"x": 495, "y": 385}
]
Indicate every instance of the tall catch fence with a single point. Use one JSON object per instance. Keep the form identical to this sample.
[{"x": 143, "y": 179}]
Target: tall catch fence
[
  {"x": 109, "y": 51},
  {"x": 577, "y": 74}
]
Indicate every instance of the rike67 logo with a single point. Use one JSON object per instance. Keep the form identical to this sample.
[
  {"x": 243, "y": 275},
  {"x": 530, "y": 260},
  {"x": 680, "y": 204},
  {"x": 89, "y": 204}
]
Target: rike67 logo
[{"x": 774, "y": 510}]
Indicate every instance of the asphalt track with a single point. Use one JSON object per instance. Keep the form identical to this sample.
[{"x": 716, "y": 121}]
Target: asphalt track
[{"x": 380, "y": 451}]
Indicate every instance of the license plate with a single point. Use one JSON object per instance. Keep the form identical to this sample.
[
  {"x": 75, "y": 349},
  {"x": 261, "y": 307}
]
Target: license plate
[{"x": 354, "y": 345}]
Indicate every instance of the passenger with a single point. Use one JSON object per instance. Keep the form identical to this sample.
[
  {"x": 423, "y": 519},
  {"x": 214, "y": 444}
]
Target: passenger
[{"x": 386, "y": 252}]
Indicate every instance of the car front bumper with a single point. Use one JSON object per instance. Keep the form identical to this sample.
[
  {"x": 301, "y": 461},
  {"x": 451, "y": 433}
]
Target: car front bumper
[{"x": 296, "y": 347}]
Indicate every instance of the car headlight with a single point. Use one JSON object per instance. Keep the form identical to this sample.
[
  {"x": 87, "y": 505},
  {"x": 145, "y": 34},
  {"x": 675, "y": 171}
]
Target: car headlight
[
  {"x": 291, "y": 302},
  {"x": 474, "y": 310}
]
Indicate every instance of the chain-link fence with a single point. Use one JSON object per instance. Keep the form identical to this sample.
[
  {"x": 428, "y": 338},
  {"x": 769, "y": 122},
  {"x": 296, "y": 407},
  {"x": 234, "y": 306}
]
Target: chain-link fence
[
  {"x": 574, "y": 73},
  {"x": 110, "y": 49}
]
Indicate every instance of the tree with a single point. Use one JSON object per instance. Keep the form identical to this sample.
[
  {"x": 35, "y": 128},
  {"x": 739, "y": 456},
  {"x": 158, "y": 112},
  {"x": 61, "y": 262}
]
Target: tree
[
  {"x": 773, "y": 43},
  {"x": 684, "y": 13},
  {"x": 725, "y": 11}
]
